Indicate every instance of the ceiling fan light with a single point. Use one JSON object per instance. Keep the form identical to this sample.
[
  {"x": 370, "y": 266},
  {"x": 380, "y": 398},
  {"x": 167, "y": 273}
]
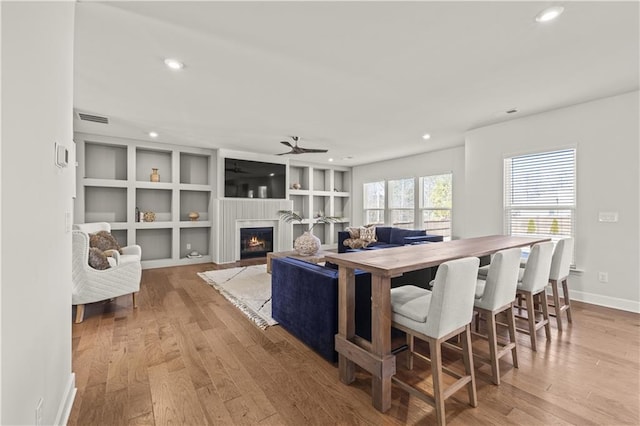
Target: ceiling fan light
[{"x": 549, "y": 14}]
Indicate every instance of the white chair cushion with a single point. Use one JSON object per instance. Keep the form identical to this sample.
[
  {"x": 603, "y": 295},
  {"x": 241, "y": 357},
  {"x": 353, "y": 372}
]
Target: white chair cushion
[{"x": 411, "y": 302}]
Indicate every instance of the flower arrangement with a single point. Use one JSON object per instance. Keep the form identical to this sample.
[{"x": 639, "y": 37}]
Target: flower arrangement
[{"x": 291, "y": 216}]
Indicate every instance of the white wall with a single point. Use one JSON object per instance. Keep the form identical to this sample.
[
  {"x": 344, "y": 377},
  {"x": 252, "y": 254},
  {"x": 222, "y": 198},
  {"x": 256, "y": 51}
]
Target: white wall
[
  {"x": 431, "y": 163},
  {"x": 37, "y": 101},
  {"x": 605, "y": 133}
]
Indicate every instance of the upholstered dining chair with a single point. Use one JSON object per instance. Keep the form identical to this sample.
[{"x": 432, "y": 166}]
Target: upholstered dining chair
[
  {"x": 532, "y": 288},
  {"x": 560, "y": 264},
  {"x": 436, "y": 316},
  {"x": 92, "y": 285},
  {"x": 494, "y": 295}
]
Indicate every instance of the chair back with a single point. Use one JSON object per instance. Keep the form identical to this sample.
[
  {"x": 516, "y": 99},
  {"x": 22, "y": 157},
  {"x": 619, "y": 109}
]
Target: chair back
[
  {"x": 502, "y": 280},
  {"x": 561, "y": 260},
  {"x": 536, "y": 273},
  {"x": 91, "y": 228},
  {"x": 452, "y": 296}
]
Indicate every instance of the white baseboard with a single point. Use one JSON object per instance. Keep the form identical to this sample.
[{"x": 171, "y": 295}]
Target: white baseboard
[
  {"x": 67, "y": 401},
  {"x": 607, "y": 301}
]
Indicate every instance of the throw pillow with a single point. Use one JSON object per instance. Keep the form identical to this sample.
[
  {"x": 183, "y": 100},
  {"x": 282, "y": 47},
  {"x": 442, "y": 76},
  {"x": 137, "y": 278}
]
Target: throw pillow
[
  {"x": 97, "y": 259},
  {"x": 355, "y": 243},
  {"x": 354, "y": 233},
  {"x": 368, "y": 233},
  {"x": 104, "y": 241}
]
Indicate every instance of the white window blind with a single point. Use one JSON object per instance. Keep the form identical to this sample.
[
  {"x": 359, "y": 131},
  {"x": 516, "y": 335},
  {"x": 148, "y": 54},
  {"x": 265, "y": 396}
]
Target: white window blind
[
  {"x": 436, "y": 204},
  {"x": 540, "y": 194},
  {"x": 401, "y": 202}
]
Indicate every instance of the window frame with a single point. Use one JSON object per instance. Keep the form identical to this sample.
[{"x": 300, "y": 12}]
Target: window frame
[{"x": 422, "y": 209}]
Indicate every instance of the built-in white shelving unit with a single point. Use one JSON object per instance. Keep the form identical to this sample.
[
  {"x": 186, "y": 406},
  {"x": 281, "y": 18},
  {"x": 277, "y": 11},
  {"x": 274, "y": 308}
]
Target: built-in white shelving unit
[
  {"x": 113, "y": 178},
  {"x": 324, "y": 190}
]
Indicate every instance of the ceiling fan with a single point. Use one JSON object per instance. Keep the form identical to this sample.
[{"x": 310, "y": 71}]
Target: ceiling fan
[
  {"x": 295, "y": 149},
  {"x": 235, "y": 169}
]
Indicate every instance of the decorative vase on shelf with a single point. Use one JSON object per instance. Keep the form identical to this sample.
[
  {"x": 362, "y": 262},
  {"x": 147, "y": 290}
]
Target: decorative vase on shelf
[
  {"x": 307, "y": 244},
  {"x": 193, "y": 216},
  {"x": 155, "y": 177}
]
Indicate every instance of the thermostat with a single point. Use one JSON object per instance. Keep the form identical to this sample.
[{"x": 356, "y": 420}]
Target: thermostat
[{"x": 61, "y": 155}]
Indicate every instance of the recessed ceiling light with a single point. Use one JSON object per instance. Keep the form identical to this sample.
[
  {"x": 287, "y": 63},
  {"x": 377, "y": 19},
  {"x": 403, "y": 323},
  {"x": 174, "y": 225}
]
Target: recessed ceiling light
[
  {"x": 272, "y": 174},
  {"x": 174, "y": 64},
  {"x": 549, "y": 14},
  {"x": 330, "y": 159},
  {"x": 153, "y": 134},
  {"x": 426, "y": 136}
]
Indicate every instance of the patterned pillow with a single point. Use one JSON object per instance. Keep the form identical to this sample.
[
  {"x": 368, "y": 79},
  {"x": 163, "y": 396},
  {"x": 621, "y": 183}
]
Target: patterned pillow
[
  {"x": 355, "y": 243},
  {"x": 368, "y": 233},
  {"x": 97, "y": 259},
  {"x": 354, "y": 233}
]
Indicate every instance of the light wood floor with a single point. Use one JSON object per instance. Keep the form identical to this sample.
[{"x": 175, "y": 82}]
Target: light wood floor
[{"x": 187, "y": 356}]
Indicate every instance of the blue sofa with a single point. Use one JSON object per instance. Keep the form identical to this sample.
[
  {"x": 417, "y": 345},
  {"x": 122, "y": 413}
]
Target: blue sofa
[
  {"x": 389, "y": 236},
  {"x": 305, "y": 300}
]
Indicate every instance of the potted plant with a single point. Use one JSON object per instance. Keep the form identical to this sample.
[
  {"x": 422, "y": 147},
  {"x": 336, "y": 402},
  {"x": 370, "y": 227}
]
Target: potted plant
[{"x": 306, "y": 244}]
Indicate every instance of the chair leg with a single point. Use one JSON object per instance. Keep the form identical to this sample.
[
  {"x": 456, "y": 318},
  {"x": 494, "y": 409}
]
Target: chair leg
[
  {"x": 567, "y": 300},
  {"x": 467, "y": 357},
  {"x": 438, "y": 385},
  {"x": 135, "y": 299},
  {"x": 409, "y": 359},
  {"x": 545, "y": 313},
  {"x": 493, "y": 347},
  {"x": 511, "y": 323},
  {"x": 556, "y": 303},
  {"x": 531, "y": 318},
  {"x": 79, "y": 313}
]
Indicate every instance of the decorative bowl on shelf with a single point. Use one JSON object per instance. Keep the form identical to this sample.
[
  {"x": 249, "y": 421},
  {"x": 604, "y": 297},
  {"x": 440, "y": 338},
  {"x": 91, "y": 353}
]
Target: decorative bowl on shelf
[
  {"x": 193, "y": 216},
  {"x": 149, "y": 216},
  {"x": 296, "y": 186}
]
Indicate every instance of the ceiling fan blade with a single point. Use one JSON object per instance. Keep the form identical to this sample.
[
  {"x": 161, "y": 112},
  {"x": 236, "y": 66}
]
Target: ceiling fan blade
[
  {"x": 285, "y": 153},
  {"x": 286, "y": 143},
  {"x": 309, "y": 150}
]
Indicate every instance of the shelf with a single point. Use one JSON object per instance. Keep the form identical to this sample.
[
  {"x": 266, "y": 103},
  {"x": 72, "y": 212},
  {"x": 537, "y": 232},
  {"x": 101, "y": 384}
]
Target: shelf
[
  {"x": 189, "y": 187},
  {"x": 157, "y": 201},
  {"x": 105, "y": 161},
  {"x": 194, "y": 169},
  {"x": 299, "y": 192},
  {"x": 194, "y": 201},
  {"x": 104, "y": 183},
  {"x": 153, "y": 225},
  {"x": 154, "y": 185},
  {"x": 104, "y": 204},
  {"x": 195, "y": 224},
  {"x": 147, "y": 159},
  {"x": 155, "y": 243},
  {"x": 197, "y": 238}
]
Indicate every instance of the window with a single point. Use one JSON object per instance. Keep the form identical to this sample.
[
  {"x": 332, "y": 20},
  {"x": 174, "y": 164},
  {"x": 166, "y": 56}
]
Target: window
[
  {"x": 401, "y": 203},
  {"x": 373, "y": 196},
  {"x": 436, "y": 204},
  {"x": 540, "y": 194}
]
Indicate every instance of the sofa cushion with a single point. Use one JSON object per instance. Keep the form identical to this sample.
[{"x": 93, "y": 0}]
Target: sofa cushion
[
  {"x": 383, "y": 233},
  {"x": 411, "y": 302},
  {"x": 398, "y": 234}
]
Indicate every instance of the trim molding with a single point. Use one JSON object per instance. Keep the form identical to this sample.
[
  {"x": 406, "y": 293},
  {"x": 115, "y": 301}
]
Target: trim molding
[
  {"x": 67, "y": 401},
  {"x": 607, "y": 301}
]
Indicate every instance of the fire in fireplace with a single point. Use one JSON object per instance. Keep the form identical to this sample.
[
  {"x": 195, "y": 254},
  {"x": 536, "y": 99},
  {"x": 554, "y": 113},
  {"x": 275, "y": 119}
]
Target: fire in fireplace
[{"x": 255, "y": 242}]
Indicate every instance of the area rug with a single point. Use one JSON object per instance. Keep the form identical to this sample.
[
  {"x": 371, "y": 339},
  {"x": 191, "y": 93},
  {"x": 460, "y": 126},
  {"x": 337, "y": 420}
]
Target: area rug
[{"x": 248, "y": 288}]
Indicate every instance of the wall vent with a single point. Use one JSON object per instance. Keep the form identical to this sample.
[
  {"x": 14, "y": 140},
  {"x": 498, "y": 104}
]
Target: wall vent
[{"x": 94, "y": 118}]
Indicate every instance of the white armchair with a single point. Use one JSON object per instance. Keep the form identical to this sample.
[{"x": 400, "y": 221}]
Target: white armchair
[{"x": 92, "y": 285}]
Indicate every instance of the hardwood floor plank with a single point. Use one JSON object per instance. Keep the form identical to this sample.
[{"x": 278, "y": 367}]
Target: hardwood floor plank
[{"x": 187, "y": 356}]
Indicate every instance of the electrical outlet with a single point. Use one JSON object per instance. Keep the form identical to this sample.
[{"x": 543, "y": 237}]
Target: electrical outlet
[
  {"x": 39, "y": 412},
  {"x": 603, "y": 277},
  {"x": 188, "y": 246}
]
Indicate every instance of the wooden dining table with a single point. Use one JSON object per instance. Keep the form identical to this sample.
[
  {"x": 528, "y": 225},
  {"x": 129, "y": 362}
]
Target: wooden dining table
[{"x": 383, "y": 264}]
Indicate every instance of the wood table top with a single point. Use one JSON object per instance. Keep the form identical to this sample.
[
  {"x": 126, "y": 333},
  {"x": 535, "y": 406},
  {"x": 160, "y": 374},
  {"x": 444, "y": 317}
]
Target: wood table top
[{"x": 392, "y": 262}]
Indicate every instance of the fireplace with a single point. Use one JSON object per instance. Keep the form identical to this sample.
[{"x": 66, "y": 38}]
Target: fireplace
[{"x": 255, "y": 242}]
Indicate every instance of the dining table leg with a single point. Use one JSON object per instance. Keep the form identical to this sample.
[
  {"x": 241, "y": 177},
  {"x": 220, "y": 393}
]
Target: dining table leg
[
  {"x": 381, "y": 341},
  {"x": 346, "y": 320}
]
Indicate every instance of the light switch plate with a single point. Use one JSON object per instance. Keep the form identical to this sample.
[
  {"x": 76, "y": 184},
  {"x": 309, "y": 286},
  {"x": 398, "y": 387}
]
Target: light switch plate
[{"x": 607, "y": 216}]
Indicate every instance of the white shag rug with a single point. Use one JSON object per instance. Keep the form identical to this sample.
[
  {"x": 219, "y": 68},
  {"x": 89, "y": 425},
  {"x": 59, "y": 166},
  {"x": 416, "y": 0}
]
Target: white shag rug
[{"x": 248, "y": 288}]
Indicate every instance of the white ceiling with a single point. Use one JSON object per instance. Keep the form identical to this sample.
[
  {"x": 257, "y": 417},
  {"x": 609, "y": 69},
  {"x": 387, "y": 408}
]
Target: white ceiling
[{"x": 363, "y": 79}]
